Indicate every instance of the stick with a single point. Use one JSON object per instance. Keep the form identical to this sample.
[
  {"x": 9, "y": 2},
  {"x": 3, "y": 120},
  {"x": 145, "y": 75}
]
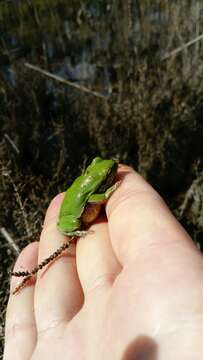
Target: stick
[
  {"x": 64, "y": 81},
  {"x": 182, "y": 47},
  {"x": 11, "y": 242},
  {"x": 11, "y": 142},
  {"x": 29, "y": 274}
]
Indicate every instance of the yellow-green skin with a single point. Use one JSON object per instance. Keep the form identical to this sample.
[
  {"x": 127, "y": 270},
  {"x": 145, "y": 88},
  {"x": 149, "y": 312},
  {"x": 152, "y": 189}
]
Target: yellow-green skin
[{"x": 94, "y": 186}]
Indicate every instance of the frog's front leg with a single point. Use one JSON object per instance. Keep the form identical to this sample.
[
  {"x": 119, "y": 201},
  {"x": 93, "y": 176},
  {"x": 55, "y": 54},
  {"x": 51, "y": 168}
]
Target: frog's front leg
[{"x": 102, "y": 198}]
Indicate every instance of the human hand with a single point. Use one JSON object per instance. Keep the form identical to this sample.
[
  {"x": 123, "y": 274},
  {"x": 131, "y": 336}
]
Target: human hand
[{"x": 131, "y": 290}]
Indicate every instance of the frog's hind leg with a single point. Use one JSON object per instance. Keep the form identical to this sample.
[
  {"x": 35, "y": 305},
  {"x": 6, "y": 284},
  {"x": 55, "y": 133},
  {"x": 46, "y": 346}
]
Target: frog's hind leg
[
  {"x": 90, "y": 213},
  {"x": 29, "y": 274},
  {"x": 76, "y": 233}
]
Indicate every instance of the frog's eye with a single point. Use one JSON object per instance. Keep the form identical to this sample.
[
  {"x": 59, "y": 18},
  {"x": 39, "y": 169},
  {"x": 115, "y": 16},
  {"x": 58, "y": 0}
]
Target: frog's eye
[{"x": 116, "y": 160}]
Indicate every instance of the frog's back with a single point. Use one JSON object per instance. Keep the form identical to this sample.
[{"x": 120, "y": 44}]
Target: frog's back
[
  {"x": 79, "y": 192},
  {"x": 75, "y": 200},
  {"x": 93, "y": 180}
]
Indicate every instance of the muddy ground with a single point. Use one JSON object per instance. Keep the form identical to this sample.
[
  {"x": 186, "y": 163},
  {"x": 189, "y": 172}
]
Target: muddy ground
[{"x": 142, "y": 62}]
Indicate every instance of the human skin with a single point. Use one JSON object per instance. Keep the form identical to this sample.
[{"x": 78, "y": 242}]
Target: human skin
[{"x": 132, "y": 289}]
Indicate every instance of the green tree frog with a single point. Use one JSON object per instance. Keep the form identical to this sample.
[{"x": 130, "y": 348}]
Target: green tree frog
[
  {"x": 83, "y": 199},
  {"x": 80, "y": 207}
]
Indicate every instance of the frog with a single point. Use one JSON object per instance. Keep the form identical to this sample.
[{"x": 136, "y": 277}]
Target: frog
[
  {"x": 84, "y": 198},
  {"x": 80, "y": 207}
]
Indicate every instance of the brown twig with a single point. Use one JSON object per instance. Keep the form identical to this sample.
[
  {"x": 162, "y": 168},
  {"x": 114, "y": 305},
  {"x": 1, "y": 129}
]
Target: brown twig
[
  {"x": 18, "y": 198},
  {"x": 9, "y": 239},
  {"x": 64, "y": 81},
  {"x": 11, "y": 142},
  {"x": 29, "y": 274},
  {"x": 182, "y": 47}
]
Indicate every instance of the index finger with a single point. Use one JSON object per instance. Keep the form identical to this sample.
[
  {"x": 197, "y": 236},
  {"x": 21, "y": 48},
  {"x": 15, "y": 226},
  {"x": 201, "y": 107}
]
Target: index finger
[{"x": 139, "y": 218}]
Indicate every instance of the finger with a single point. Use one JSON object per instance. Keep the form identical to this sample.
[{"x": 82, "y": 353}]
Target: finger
[
  {"x": 58, "y": 293},
  {"x": 96, "y": 263},
  {"x": 140, "y": 220},
  {"x": 97, "y": 268},
  {"x": 20, "y": 332}
]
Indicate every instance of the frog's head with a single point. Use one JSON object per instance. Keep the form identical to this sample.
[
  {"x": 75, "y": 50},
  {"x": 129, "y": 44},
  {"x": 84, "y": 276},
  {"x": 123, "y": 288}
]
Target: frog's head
[{"x": 106, "y": 169}]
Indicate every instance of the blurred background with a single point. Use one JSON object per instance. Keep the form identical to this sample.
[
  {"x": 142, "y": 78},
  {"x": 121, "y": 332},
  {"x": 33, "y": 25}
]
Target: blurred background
[{"x": 128, "y": 84}]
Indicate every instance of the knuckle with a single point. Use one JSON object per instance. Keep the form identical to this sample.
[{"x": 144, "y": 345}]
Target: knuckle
[
  {"x": 17, "y": 330},
  {"x": 51, "y": 326},
  {"x": 137, "y": 196},
  {"x": 102, "y": 281}
]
